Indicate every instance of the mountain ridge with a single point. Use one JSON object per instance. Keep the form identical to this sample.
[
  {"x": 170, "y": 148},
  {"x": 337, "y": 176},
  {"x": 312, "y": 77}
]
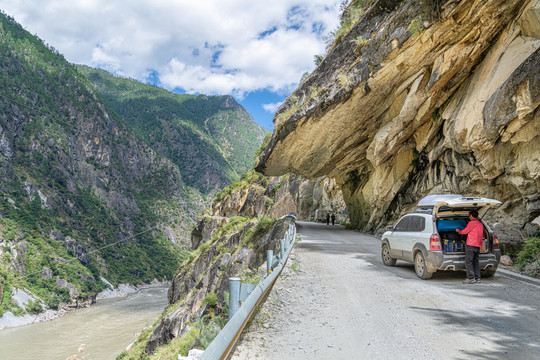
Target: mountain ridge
[{"x": 210, "y": 138}]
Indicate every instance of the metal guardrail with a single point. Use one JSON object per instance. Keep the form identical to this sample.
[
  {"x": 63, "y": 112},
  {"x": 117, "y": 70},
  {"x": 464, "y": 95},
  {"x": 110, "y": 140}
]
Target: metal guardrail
[{"x": 223, "y": 344}]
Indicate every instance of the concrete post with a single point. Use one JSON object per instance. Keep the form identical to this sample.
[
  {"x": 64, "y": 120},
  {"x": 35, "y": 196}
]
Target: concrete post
[
  {"x": 234, "y": 296},
  {"x": 269, "y": 258}
]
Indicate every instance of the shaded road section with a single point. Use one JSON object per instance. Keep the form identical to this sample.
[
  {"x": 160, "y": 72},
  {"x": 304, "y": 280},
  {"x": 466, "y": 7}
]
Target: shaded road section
[{"x": 336, "y": 300}]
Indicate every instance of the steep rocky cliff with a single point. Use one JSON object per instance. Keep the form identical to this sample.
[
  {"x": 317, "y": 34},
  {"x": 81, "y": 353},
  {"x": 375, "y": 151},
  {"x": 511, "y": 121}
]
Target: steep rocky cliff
[{"x": 422, "y": 97}]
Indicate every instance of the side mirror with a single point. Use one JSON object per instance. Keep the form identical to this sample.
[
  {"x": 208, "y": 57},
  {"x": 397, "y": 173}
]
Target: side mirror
[{"x": 389, "y": 228}]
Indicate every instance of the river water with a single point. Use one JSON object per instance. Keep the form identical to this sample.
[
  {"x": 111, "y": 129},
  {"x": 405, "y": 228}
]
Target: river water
[{"x": 105, "y": 328}]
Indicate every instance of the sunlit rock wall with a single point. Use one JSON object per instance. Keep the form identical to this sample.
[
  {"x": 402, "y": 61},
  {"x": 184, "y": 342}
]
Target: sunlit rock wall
[{"x": 411, "y": 103}]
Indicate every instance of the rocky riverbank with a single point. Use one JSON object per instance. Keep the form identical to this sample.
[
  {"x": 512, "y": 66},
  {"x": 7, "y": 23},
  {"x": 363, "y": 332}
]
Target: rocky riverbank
[{"x": 10, "y": 320}]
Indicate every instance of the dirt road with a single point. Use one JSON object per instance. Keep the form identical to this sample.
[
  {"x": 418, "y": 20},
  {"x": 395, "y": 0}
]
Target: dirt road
[{"x": 336, "y": 300}]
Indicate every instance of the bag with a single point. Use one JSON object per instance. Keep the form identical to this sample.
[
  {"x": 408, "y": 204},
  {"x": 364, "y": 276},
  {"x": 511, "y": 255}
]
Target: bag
[{"x": 451, "y": 225}]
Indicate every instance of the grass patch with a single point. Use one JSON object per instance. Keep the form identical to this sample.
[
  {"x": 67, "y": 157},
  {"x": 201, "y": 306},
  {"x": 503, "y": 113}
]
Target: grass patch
[
  {"x": 263, "y": 225},
  {"x": 245, "y": 181}
]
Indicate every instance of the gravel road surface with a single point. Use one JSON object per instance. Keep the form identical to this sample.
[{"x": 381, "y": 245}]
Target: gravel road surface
[{"x": 336, "y": 300}]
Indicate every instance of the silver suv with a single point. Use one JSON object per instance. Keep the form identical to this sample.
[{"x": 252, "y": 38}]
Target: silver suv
[{"x": 428, "y": 238}]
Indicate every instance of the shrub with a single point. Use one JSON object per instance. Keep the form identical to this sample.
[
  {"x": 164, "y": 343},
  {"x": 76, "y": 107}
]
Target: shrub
[
  {"x": 186, "y": 342},
  {"x": 210, "y": 330},
  {"x": 53, "y": 302},
  {"x": 211, "y": 299},
  {"x": 351, "y": 14},
  {"x": 263, "y": 225},
  {"x": 529, "y": 254},
  {"x": 34, "y": 307}
]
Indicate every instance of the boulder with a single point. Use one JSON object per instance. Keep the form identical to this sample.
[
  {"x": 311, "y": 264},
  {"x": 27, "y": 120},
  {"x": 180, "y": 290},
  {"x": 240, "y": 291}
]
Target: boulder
[
  {"x": 46, "y": 273},
  {"x": 193, "y": 354},
  {"x": 533, "y": 269},
  {"x": 506, "y": 261},
  {"x": 62, "y": 283}
]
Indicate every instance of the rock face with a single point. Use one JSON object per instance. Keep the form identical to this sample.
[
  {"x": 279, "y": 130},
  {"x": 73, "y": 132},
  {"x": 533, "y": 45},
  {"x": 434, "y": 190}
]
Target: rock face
[
  {"x": 447, "y": 104},
  {"x": 303, "y": 197},
  {"x": 208, "y": 272},
  {"x": 279, "y": 196}
]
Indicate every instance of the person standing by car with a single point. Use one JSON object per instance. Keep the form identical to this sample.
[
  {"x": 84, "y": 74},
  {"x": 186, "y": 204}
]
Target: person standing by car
[{"x": 475, "y": 233}]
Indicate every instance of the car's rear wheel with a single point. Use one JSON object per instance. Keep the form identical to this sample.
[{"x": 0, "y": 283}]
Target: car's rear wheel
[
  {"x": 420, "y": 266},
  {"x": 487, "y": 273},
  {"x": 386, "y": 258}
]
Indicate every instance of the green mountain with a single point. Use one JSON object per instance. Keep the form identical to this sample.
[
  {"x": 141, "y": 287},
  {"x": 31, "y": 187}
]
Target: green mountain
[
  {"x": 81, "y": 195},
  {"x": 212, "y": 139}
]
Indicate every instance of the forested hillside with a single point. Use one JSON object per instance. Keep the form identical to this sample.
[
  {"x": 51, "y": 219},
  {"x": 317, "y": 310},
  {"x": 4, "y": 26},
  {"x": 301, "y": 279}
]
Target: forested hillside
[
  {"x": 81, "y": 196},
  {"x": 212, "y": 139}
]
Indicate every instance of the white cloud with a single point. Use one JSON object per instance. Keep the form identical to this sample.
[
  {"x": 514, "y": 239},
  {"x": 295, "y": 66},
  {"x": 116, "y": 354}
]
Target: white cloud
[
  {"x": 205, "y": 46},
  {"x": 272, "y": 107}
]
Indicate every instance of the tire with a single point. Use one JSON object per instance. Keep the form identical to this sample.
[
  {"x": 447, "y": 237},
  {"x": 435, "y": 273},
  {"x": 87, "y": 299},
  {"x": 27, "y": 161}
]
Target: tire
[
  {"x": 487, "y": 273},
  {"x": 386, "y": 258},
  {"x": 420, "y": 266}
]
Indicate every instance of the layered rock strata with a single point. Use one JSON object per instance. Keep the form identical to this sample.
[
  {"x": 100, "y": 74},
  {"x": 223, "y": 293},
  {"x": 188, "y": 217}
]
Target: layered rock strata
[
  {"x": 412, "y": 102},
  {"x": 279, "y": 196}
]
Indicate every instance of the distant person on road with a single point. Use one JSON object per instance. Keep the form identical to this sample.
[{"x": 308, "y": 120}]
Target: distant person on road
[
  {"x": 327, "y": 219},
  {"x": 475, "y": 233},
  {"x": 333, "y": 218}
]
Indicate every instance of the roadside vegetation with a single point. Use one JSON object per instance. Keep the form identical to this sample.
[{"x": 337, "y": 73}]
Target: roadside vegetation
[{"x": 528, "y": 259}]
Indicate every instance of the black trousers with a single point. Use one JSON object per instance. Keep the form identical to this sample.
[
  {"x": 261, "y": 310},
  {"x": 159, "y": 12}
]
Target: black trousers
[{"x": 472, "y": 263}]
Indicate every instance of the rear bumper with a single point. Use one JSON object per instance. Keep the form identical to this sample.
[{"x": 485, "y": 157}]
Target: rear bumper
[{"x": 437, "y": 260}]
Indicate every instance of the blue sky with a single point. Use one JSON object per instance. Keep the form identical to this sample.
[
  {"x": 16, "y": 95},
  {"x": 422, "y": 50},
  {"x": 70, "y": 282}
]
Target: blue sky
[
  {"x": 255, "y": 51},
  {"x": 256, "y": 102}
]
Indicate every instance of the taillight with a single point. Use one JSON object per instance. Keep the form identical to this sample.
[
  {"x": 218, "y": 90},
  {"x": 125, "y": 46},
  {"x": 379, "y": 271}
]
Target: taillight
[
  {"x": 435, "y": 242},
  {"x": 495, "y": 242}
]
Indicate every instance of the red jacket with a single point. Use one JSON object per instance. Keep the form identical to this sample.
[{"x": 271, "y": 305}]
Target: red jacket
[{"x": 475, "y": 231}]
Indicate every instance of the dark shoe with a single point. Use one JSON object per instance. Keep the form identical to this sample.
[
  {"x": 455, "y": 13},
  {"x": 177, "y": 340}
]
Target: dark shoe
[
  {"x": 478, "y": 281},
  {"x": 469, "y": 281}
]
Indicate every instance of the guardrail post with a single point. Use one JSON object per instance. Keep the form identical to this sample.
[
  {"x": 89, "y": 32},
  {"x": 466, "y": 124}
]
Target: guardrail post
[
  {"x": 234, "y": 296},
  {"x": 281, "y": 248},
  {"x": 269, "y": 257},
  {"x": 289, "y": 235}
]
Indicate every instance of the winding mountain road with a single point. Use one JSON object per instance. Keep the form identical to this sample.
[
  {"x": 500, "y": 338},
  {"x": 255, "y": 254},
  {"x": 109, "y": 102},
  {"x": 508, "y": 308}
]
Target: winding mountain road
[{"x": 336, "y": 300}]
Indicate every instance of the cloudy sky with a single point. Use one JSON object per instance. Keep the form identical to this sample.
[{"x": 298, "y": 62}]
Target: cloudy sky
[{"x": 254, "y": 50}]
